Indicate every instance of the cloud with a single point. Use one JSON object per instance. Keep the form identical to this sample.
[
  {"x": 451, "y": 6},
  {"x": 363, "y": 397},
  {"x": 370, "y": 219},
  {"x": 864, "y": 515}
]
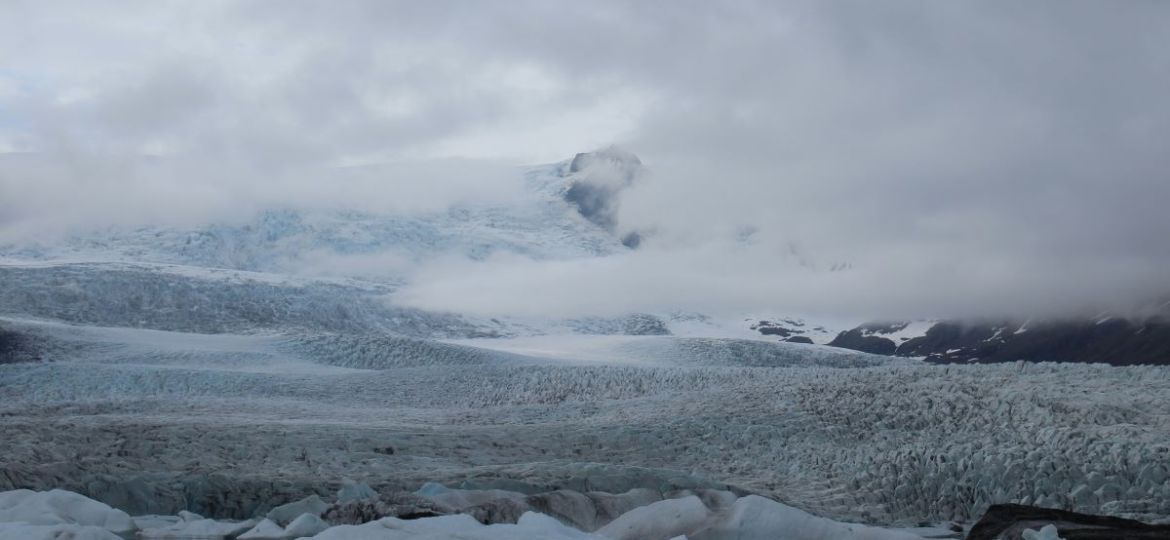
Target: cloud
[
  {"x": 960, "y": 158},
  {"x": 731, "y": 279}
]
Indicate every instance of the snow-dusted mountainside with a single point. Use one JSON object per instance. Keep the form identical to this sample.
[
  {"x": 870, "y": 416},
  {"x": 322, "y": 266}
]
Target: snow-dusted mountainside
[
  {"x": 335, "y": 271},
  {"x": 315, "y": 270},
  {"x": 1103, "y": 339}
]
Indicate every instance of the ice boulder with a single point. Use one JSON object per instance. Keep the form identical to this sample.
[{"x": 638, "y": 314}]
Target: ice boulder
[
  {"x": 265, "y": 530},
  {"x": 662, "y": 520},
  {"x": 305, "y": 525},
  {"x": 185, "y": 515},
  {"x": 286, "y": 513},
  {"x": 59, "y": 507},
  {"x": 355, "y": 491},
  {"x": 756, "y": 518},
  {"x": 196, "y": 527},
  {"x": 25, "y": 531},
  {"x": 1047, "y": 532},
  {"x": 531, "y": 526}
]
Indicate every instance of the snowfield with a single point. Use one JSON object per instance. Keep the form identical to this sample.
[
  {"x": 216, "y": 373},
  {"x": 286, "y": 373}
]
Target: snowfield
[{"x": 154, "y": 422}]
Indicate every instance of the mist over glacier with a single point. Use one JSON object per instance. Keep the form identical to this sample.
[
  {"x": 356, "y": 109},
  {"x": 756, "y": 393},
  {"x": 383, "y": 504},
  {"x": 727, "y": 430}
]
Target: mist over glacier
[{"x": 918, "y": 147}]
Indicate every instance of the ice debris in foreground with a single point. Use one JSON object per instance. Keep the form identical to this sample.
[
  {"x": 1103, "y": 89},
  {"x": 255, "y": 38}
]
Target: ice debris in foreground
[
  {"x": 61, "y": 514},
  {"x": 59, "y": 507},
  {"x": 1048, "y": 532}
]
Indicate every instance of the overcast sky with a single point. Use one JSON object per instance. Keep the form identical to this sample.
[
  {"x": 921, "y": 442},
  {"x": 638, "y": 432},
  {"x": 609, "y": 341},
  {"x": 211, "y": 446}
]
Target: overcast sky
[{"x": 962, "y": 157}]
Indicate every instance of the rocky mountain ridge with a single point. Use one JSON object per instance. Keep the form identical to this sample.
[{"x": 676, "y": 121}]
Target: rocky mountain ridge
[{"x": 1107, "y": 339}]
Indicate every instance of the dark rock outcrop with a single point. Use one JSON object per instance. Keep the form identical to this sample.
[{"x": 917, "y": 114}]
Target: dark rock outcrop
[
  {"x": 800, "y": 339},
  {"x": 1113, "y": 340},
  {"x": 1008, "y": 521},
  {"x": 597, "y": 181},
  {"x": 632, "y": 240},
  {"x": 782, "y": 328},
  {"x": 597, "y": 203},
  {"x": 860, "y": 339}
]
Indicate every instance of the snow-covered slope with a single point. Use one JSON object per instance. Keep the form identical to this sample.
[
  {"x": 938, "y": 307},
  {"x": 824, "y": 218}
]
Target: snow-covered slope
[{"x": 540, "y": 224}]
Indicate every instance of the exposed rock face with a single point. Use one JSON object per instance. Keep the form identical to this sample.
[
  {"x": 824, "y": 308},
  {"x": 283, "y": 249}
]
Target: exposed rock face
[
  {"x": 858, "y": 340},
  {"x": 769, "y": 328},
  {"x": 598, "y": 178},
  {"x": 620, "y": 161},
  {"x": 1115, "y": 341},
  {"x": 1008, "y": 521},
  {"x": 791, "y": 329}
]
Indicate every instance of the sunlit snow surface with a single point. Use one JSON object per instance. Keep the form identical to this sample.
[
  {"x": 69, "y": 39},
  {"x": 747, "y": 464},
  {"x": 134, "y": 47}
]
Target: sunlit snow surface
[{"x": 841, "y": 434}]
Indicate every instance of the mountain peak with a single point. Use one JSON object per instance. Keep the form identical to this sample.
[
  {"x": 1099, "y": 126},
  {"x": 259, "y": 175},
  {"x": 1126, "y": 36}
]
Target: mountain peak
[{"x": 610, "y": 158}]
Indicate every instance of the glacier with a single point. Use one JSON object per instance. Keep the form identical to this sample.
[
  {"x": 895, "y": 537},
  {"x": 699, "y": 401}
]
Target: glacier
[
  {"x": 200, "y": 377},
  {"x": 156, "y": 422}
]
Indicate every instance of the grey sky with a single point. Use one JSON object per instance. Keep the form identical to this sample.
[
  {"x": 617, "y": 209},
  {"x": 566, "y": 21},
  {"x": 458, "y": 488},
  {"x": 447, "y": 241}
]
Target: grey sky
[{"x": 961, "y": 156}]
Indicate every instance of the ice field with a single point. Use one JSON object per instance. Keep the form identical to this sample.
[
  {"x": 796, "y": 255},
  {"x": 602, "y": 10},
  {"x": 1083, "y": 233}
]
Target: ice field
[
  {"x": 154, "y": 422},
  {"x": 230, "y": 368}
]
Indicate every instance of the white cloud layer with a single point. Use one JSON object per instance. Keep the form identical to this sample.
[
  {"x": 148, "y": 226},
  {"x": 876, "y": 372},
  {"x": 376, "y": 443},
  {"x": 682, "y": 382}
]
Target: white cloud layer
[{"x": 962, "y": 157}]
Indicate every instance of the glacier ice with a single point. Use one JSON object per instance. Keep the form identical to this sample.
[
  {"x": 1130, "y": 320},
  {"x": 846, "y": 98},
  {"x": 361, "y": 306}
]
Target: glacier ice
[
  {"x": 1047, "y": 532},
  {"x": 305, "y": 525},
  {"x": 25, "y": 531},
  {"x": 231, "y": 425},
  {"x": 355, "y": 491},
  {"x": 699, "y": 518},
  {"x": 757, "y": 518},
  {"x": 265, "y": 530},
  {"x": 59, "y": 507},
  {"x": 285, "y": 514},
  {"x": 661, "y": 520}
]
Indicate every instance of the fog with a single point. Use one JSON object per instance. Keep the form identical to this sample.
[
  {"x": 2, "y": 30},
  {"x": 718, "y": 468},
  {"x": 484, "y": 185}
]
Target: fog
[{"x": 894, "y": 159}]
